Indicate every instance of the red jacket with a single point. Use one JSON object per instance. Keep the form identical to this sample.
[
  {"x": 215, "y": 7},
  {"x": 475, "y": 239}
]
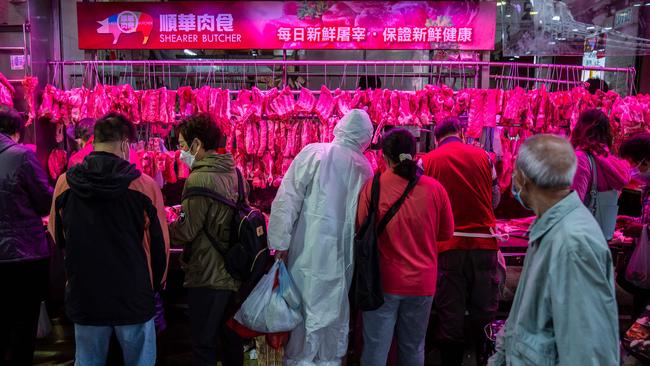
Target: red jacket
[
  {"x": 408, "y": 247},
  {"x": 468, "y": 176}
]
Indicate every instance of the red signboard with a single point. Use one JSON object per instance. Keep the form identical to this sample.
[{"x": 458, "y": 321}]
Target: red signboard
[{"x": 287, "y": 25}]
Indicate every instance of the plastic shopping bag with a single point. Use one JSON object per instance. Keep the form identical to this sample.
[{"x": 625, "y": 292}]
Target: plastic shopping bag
[
  {"x": 270, "y": 309},
  {"x": 638, "y": 269},
  {"x": 283, "y": 312}
]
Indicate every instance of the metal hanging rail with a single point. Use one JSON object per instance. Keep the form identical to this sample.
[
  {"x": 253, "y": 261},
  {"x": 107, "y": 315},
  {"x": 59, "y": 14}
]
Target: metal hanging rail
[
  {"x": 335, "y": 63},
  {"x": 512, "y": 73}
]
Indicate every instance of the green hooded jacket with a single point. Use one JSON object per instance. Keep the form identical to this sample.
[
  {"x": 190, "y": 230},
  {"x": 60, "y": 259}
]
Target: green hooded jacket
[{"x": 205, "y": 266}]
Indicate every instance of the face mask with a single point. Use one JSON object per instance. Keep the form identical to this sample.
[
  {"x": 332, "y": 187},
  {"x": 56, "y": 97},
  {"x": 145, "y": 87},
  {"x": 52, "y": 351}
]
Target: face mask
[
  {"x": 188, "y": 158},
  {"x": 517, "y": 195}
]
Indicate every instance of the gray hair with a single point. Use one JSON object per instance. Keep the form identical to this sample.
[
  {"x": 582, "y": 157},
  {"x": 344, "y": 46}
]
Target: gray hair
[{"x": 549, "y": 161}]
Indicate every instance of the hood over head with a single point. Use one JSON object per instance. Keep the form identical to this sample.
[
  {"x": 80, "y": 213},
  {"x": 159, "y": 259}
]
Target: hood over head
[
  {"x": 354, "y": 130},
  {"x": 102, "y": 176}
]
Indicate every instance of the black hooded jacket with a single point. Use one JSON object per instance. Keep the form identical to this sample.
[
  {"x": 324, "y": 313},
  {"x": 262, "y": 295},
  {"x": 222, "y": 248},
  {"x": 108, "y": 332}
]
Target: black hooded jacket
[{"x": 110, "y": 220}]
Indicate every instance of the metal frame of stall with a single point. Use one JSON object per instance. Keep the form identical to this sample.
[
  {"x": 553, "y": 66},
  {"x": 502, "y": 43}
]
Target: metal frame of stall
[{"x": 468, "y": 73}]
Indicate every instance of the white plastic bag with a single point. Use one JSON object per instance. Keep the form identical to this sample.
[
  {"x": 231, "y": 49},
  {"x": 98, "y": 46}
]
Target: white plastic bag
[
  {"x": 270, "y": 310},
  {"x": 638, "y": 269}
]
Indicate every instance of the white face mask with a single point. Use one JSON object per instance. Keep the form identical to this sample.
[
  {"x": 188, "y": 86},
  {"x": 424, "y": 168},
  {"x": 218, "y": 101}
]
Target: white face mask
[{"x": 188, "y": 158}]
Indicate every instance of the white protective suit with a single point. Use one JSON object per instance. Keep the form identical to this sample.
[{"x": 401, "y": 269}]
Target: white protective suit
[{"x": 313, "y": 216}]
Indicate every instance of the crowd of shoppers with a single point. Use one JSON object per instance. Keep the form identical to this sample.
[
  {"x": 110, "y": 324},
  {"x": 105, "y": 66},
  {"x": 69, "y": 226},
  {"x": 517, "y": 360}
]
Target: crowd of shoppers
[{"x": 439, "y": 251}]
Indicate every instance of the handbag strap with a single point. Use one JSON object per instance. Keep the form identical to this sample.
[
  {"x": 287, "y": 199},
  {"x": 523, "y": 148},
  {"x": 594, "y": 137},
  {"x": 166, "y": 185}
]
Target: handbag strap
[
  {"x": 590, "y": 201},
  {"x": 395, "y": 207}
]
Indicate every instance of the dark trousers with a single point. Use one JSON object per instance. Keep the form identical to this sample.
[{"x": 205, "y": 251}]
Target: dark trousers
[
  {"x": 208, "y": 316},
  {"x": 640, "y": 296},
  {"x": 467, "y": 281},
  {"x": 22, "y": 288}
]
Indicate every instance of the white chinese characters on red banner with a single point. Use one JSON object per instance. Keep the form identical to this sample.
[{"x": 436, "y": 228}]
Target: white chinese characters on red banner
[
  {"x": 193, "y": 28},
  {"x": 389, "y": 35}
]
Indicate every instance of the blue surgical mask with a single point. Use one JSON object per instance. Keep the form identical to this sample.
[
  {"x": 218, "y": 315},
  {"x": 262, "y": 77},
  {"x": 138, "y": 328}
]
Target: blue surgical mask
[{"x": 517, "y": 195}]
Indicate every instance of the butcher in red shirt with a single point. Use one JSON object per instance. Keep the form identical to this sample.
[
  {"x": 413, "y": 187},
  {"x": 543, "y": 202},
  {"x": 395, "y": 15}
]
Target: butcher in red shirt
[
  {"x": 467, "y": 273},
  {"x": 408, "y": 253}
]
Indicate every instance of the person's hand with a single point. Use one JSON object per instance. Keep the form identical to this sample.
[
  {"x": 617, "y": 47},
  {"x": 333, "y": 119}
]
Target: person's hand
[
  {"x": 281, "y": 255},
  {"x": 633, "y": 230}
]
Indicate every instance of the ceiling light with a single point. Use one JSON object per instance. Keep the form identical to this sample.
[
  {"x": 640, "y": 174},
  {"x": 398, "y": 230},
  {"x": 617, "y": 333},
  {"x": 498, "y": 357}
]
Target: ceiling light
[
  {"x": 534, "y": 12},
  {"x": 591, "y": 28},
  {"x": 607, "y": 28},
  {"x": 551, "y": 43},
  {"x": 540, "y": 22},
  {"x": 556, "y": 18},
  {"x": 516, "y": 56},
  {"x": 189, "y": 52},
  {"x": 574, "y": 29},
  {"x": 637, "y": 4},
  {"x": 507, "y": 15}
]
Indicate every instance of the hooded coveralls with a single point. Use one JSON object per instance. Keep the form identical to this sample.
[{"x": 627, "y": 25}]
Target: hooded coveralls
[{"x": 313, "y": 217}]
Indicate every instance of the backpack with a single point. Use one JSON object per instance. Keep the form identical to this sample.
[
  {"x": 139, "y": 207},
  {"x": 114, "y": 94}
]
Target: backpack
[{"x": 247, "y": 258}]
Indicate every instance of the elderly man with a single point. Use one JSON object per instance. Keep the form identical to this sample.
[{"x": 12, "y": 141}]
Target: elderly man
[
  {"x": 313, "y": 222},
  {"x": 564, "y": 311}
]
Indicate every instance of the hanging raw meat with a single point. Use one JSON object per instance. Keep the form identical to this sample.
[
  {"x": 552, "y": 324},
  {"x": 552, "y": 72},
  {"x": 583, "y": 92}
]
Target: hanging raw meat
[
  {"x": 7, "y": 92},
  {"x": 101, "y": 101},
  {"x": 343, "y": 102},
  {"x": 45, "y": 110},
  {"x": 242, "y": 107},
  {"x": 406, "y": 109},
  {"x": 56, "y": 163},
  {"x": 283, "y": 104},
  {"x": 201, "y": 99},
  {"x": 150, "y": 106},
  {"x": 258, "y": 103},
  {"x": 185, "y": 99},
  {"x": 269, "y": 97},
  {"x": 263, "y": 128},
  {"x": 30, "y": 83},
  {"x": 306, "y": 101},
  {"x": 378, "y": 108},
  {"x": 325, "y": 105}
]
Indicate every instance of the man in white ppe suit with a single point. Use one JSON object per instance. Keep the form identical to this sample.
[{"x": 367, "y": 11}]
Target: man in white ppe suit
[{"x": 312, "y": 225}]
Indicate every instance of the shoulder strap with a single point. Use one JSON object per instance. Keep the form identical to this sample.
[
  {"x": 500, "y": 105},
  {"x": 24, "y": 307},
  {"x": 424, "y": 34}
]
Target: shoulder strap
[
  {"x": 205, "y": 192},
  {"x": 240, "y": 187},
  {"x": 374, "y": 193},
  {"x": 393, "y": 210},
  {"x": 590, "y": 201}
]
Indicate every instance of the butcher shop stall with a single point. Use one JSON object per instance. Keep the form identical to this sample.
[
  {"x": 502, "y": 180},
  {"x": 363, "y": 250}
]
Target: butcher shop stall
[{"x": 277, "y": 76}]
